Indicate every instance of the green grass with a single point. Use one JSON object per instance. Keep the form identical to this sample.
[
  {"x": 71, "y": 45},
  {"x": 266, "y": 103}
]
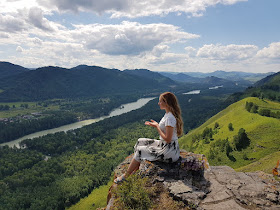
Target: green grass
[
  {"x": 263, "y": 132},
  {"x": 24, "y": 111},
  {"x": 265, "y": 164},
  {"x": 98, "y": 197}
]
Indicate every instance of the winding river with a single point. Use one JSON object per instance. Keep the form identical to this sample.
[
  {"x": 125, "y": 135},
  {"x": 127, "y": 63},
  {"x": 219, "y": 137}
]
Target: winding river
[{"x": 118, "y": 111}]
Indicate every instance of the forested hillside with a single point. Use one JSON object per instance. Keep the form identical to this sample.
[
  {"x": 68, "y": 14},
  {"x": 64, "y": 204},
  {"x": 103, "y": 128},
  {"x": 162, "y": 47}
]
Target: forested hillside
[{"x": 268, "y": 87}]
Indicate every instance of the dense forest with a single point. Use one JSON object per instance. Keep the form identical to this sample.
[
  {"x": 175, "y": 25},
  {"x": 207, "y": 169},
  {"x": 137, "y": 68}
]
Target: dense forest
[{"x": 59, "y": 169}]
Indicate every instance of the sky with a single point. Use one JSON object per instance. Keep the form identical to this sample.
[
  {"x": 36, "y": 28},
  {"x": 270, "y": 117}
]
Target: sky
[{"x": 159, "y": 35}]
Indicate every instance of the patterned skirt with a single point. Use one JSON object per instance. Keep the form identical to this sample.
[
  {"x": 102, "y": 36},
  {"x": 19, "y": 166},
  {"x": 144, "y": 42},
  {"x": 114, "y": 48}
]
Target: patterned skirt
[{"x": 151, "y": 149}]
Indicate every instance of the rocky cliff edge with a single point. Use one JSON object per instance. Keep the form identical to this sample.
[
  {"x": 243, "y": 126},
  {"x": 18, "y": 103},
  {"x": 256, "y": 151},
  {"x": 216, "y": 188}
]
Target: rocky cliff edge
[{"x": 215, "y": 187}]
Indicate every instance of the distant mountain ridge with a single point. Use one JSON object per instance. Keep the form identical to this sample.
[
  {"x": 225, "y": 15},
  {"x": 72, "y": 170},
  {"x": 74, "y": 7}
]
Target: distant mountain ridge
[
  {"x": 8, "y": 69},
  {"x": 150, "y": 75},
  {"x": 241, "y": 77},
  {"x": 81, "y": 81},
  {"x": 20, "y": 84}
]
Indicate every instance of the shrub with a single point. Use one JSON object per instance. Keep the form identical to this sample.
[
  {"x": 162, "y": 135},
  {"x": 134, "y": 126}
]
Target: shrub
[
  {"x": 248, "y": 106},
  {"x": 207, "y": 133},
  {"x": 241, "y": 141},
  {"x": 134, "y": 193},
  {"x": 230, "y": 127},
  {"x": 254, "y": 108},
  {"x": 265, "y": 112},
  {"x": 216, "y": 125}
]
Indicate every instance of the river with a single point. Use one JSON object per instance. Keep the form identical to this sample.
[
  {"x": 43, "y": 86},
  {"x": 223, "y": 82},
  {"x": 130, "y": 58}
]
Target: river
[{"x": 118, "y": 111}]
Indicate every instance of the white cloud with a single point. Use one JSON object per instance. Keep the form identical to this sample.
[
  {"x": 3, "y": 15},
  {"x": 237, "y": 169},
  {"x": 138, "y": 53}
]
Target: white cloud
[
  {"x": 167, "y": 58},
  {"x": 231, "y": 53},
  {"x": 271, "y": 52},
  {"x": 37, "y": 41},
  {"x": 86, "y": 5},
  {"x": 159, "y": 50},
  {"x": 191, "y": 51},
  {"x": 35, "y": 17},
  {"x": 4, "y": 35},
  {"x": 11, "y": 24},
  {"x": 8, "y": 6},
  {"x": 128, "y": 38},
  {"x": 19, "y": 49},
  {"x": 136, "y": 8}
]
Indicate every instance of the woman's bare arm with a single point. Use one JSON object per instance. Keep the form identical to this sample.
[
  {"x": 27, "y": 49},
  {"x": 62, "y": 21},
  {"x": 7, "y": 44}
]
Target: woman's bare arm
[{"x": 166, "y": 136}]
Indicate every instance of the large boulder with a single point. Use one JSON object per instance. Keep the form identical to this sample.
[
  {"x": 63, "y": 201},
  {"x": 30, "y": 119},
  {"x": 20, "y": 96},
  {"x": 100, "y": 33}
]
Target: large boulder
[{"x": 218, "y": 187}]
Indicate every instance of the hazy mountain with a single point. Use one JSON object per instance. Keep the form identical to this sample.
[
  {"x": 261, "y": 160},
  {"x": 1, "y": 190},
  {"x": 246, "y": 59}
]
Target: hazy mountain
[
  {"x": 268, "y": 87},
  {"x": 244, "y": 78},
  {"x": 181, "y": 77},
  {"x": 232, "y": 75},
  {"x": 216, "y": 81},
  {"x": 8, "y": 69},
  {"x": 273, "y": 79},
  {"x": 150, "y": 75}
]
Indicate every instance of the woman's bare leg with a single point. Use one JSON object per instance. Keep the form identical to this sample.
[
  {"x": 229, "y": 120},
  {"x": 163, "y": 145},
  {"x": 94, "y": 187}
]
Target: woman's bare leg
[{"x": 133, "y": 167}]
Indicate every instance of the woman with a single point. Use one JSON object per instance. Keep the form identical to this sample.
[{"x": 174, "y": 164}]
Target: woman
[{"x": 169, "y": 128}]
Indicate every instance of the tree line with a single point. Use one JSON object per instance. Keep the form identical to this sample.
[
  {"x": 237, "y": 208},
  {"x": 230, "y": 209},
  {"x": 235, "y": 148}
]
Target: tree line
[{"x": 254, "y": 108}]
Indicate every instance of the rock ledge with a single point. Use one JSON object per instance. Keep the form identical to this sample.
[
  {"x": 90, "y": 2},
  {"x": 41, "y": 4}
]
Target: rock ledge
[{"x": 218, "y": 187}]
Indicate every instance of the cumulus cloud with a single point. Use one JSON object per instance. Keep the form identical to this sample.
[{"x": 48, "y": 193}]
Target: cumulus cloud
[
  {"x": 35, "y": 17},
  {"x": 129, "y": 38},
  {"x": 272, "y": 52},
  {"x": 229, "y": 52},
  {"x": 191, "y": 51},
  {"x": 86, "y": 5},
  {"x": 9, "y": 23},
  {"x": 4, "y": 35},
  {"x": 159, "y": 50},
  {"x": 167, "y": 58},
  {"x": 136, "y": 8},
  {"x": 19, "y": 49},
  {"x": 37, "y": 41}
]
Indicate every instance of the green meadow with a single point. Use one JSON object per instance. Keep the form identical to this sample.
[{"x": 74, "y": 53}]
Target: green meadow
[
  {"x": 96, "y": 199},
  {"x": 16, "y": 109},
  {"x": 263, "y": 132}
]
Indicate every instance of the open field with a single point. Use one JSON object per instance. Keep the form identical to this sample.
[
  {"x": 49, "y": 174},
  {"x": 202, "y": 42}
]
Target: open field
[
  {"x": 17, "y": 109},
  {"x": 97, "y": 199}
]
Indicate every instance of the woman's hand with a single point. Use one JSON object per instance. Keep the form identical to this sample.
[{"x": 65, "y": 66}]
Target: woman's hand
[
  {"x": 152, "y": 123},
  {"x": 168, "y": 133}
]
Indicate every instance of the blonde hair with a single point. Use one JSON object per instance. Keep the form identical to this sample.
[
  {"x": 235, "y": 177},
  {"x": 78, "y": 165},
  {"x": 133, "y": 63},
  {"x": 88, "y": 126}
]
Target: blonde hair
[{"x": 171, "y": 100}]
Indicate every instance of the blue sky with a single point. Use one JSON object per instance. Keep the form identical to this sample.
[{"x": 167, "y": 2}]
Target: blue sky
[{"x": 160, "y": 35}]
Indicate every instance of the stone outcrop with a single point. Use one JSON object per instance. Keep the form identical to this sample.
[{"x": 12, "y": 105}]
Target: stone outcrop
[{"x": 216, "y": 187}]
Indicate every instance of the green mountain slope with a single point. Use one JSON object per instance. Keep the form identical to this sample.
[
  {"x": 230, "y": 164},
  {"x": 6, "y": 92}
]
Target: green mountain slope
[
  {"x": 262, "y": 131},
  {"x": 268, "y": 87}
]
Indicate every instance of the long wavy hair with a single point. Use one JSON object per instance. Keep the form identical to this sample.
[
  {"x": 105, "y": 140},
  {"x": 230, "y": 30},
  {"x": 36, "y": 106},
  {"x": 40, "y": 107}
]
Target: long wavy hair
[{"x": 171, "y": 100}]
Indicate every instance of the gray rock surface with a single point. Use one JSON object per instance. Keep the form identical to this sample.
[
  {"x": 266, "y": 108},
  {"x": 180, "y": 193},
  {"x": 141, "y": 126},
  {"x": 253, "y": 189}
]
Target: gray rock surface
[{"x": 218, "y": 187}]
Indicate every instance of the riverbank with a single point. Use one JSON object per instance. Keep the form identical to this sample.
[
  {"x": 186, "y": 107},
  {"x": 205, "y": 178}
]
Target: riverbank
[{"x": 124, "y": 108}]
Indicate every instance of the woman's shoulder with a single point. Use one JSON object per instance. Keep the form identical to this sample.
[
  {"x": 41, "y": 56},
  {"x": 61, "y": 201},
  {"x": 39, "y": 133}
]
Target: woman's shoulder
[{"x": 170, "y": 115}]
